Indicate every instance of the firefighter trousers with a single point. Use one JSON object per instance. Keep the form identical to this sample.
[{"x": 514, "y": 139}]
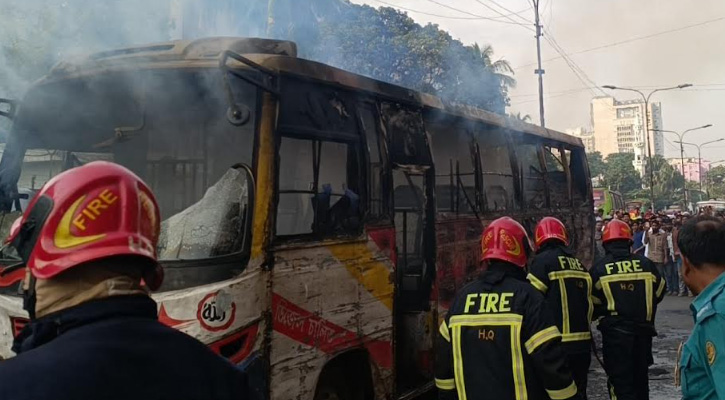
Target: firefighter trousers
[
  {"x": 579, "y": 364},
  {"x": 627, "y": 358}
]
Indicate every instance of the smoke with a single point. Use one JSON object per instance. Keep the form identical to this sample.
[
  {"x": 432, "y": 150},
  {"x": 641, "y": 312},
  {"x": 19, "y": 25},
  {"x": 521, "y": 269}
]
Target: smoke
[{"x": 35, "y": 34}]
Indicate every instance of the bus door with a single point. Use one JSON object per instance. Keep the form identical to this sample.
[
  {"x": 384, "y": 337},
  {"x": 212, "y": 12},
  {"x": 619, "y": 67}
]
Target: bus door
[
  {"x": 409, "y": 199},
  {"x": 414, "y": 217}
]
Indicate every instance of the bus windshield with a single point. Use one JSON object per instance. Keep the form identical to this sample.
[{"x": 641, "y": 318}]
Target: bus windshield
[{"x": 170, "y": 127}]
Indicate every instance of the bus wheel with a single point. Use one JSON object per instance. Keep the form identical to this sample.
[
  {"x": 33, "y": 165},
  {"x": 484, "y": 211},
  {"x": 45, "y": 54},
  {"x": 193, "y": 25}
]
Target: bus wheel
[
  {"x": 346, "y": 377},
  {"x": 332, "y": 387}
]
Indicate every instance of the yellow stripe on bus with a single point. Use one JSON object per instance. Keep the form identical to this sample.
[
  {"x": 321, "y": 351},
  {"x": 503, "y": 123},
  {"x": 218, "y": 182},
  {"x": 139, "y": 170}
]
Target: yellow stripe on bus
[
  {"x": 265, "y": 177},
  {"x": 373, "y": 275}
]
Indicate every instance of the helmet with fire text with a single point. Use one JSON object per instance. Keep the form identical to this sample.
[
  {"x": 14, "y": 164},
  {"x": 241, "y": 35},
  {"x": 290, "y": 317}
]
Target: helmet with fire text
[
  {"x": 85, "y": 214},
  {"x": 506, "y": 240},
  {"x": 550, "y": 228},
  {"x": 616, "y": 230}
]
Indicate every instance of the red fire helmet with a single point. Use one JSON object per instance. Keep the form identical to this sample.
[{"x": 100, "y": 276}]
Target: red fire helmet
[
  {"x": 506, "y": 240},
  {"x": 88, "y": 213},
  {"x": 550, "y": 228},
  {"x": 616, "y": 230}
]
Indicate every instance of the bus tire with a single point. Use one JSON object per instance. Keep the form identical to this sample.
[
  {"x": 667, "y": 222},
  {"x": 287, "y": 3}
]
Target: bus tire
[
  {"x": 346, "y": 377},
  {"x": 332, "y": 389}
]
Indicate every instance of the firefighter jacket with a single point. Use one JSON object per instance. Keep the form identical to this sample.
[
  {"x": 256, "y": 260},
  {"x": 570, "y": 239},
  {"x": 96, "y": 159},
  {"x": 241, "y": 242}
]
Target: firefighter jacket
[
  {"x": 499, "y": 341},
  {"x": 627, "y": 289},
  {"x": 115, "y": 348},
  {"x": 567, "y": 287}
]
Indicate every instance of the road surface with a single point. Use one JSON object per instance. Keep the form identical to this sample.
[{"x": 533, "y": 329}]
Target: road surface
[{"x": 674, "y": 324}]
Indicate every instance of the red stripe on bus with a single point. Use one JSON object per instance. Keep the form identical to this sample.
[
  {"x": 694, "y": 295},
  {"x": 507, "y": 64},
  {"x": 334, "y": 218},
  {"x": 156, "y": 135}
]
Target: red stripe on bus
[{"x": 305, "y": 327}]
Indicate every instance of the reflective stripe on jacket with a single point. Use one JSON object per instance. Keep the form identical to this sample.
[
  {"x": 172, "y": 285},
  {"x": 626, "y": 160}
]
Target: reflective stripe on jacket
[
  {"x": 567, "y": 287},
  {"x": 499, "y": 341},
  {"x": 627, "y": 287}
]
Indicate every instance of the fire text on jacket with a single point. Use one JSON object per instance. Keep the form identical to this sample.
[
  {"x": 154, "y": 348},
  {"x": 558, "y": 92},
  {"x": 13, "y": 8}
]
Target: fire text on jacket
[{"x": 488, "y": 302}]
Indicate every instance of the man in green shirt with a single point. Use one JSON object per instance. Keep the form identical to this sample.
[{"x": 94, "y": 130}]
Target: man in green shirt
[{"x": 702, "y": 365}]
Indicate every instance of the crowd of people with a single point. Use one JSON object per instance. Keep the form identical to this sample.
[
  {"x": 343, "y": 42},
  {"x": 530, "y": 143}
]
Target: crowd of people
[{"x": 655, "y": 237}]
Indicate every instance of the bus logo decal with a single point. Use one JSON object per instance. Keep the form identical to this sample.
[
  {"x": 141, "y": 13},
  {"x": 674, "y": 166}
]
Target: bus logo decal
[{"x": 216, "y": 311}]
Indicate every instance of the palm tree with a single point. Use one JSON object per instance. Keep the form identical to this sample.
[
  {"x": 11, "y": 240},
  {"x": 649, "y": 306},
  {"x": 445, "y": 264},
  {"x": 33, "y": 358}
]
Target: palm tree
[
  {"x": 519, "y": 117},
  {"x": 501, "y": 68},
  {"x": 668, "y": 181}
]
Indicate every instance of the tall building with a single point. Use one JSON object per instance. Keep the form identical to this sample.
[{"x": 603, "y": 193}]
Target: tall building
[
  {"x": 693, "y": 168},
  {"x": 585, "y": 135},
  {"x": 619, "y": 127}
]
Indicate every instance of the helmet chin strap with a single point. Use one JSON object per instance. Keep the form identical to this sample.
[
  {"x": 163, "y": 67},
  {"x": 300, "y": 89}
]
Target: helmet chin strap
[
  {"x": 25, "y": 242},
  {"x": 29, "y": 294}
]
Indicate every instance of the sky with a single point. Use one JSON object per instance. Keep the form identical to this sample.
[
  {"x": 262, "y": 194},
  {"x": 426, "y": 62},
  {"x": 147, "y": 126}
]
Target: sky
[{"x": 693, "y": 55}]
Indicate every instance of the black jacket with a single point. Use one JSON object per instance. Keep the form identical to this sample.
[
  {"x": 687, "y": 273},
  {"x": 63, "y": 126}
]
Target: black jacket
[
  {"x": 627, "y": 289},
  {"x": 567, "y": 287},
  {"x": 114, "y": 349},
  {"x": 498, "y": 341}
]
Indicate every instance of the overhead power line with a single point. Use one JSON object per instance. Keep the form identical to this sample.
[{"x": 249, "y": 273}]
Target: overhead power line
[
  {"x": 695, "y": 86},
  {"x": 567, "y": 91},
  {"x": 578, "y": 71},
  {"x": 634, "y": 39},
  {"x": 551, "y": 96},
  {"x": 476, "y": 18},
  {"x": 472, "y": 14},
  {"x": 508, "y": 16}
]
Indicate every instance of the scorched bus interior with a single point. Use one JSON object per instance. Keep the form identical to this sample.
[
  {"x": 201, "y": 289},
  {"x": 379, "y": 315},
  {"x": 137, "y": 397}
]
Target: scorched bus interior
[{"x": 172, "y": 128}]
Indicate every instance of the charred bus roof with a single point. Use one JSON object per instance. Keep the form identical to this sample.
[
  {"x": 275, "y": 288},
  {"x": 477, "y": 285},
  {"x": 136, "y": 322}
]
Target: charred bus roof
[{"x": 280, "y": 57}]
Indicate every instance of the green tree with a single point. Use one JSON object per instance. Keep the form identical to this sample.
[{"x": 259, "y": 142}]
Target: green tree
[
  {"x": 596, "y": 164},
  {"x": 715, "y": 182},
  {"x": 668, "y": 183},
  {"x": 388, "y": 45},
  {"x": 620, "y": 174},
  {"x": 500, "y": 68}
]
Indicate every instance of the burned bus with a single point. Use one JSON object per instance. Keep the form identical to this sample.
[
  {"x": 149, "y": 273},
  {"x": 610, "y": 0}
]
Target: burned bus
[{"x": 316, "y": 223}]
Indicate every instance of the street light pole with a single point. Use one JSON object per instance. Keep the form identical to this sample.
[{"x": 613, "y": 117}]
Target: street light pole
[
  {"x": 646, "y": 124},
  {"x": 682, "y": 155},
  {"x": 699, "y": 155}
]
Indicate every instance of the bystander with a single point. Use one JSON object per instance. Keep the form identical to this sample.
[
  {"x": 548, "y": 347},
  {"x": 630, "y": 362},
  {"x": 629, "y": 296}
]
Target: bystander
[
  {"x": 638, "y": 241},
  {"x": 598, "y": 247},
  {"x": 702, "y": 365},
  {"x": 656, "y": 239},
  {"x": 671, "y": 277},
  {"x": 683, "y": 291}
]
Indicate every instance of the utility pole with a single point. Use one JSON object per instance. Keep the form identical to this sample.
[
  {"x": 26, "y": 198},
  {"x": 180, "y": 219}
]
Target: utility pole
[{"x": 539, "y": 71}]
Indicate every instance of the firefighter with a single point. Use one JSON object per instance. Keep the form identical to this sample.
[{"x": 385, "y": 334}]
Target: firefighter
[
  {"x": 627, "y": 289},
  {"x": 88, "y": 244},
  {"x": 567, "y": 287},
  {"x": 498, "y": 340}
]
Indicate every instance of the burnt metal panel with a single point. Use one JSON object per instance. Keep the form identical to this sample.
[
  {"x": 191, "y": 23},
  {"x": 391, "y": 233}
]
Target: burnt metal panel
[{"x": 311, "y": 110}]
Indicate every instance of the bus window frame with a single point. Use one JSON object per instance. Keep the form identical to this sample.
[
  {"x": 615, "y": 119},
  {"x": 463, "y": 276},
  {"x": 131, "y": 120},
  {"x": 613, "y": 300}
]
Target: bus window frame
[
  {"x": 458, "y": 194},
  {"x": 386, "y": 215},
  {"x": 356, "y": 140},
  {"x": 561, "y": 148},
  {"x": 524, "y": 139},
  {"x": 313, "y": 236},
  {"x": 516, "y": 197}
]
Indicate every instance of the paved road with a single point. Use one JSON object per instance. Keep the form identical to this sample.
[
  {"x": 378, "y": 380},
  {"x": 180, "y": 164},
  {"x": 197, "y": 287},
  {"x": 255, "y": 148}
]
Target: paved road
[{"x": 674, "y": 323}]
